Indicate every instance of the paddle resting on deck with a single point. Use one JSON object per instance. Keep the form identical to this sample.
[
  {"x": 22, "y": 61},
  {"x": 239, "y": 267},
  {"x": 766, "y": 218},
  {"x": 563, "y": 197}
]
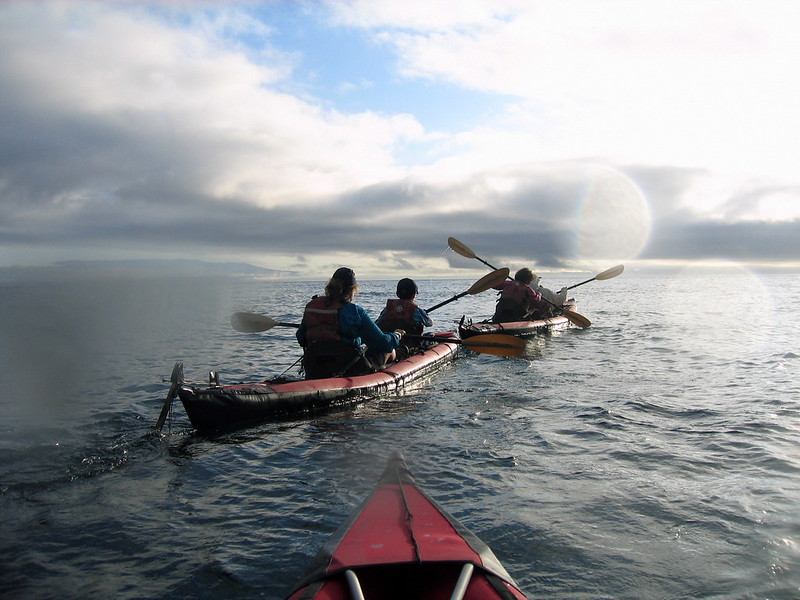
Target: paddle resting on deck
[{"x": 499, "y": 345}]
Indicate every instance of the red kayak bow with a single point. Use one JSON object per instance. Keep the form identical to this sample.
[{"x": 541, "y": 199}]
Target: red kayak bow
[{"x": 401, "y": 544}]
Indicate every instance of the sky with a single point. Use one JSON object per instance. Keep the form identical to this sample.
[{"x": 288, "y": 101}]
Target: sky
[{"x": 301, "y": 136}]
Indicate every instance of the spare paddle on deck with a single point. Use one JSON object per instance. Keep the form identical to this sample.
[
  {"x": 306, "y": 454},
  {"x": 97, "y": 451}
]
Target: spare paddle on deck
[
  {"x": 607, "y": 274},
  {"x": 498, "y": 344},
  {"x": 571, "y": 315},
  {"x": 490, "y": 343},
  {"x": 253, "y": 323},
  {"x": 484, "y": 283}
]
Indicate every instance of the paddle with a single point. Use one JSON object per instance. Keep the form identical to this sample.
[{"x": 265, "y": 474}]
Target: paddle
[
  {"x": 177, "y": 379},
  {"x": 253, "y": 323},
  {"x": 498, "y": 344},
  {"x": 484, "y": 283},
  {"x": 571, "y": 315},
  {"x": 490, "y": 343},
  {"x": 607, "y": 274}
]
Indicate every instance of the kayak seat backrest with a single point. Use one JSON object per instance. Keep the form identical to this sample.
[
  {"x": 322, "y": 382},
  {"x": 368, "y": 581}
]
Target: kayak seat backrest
[
  {"x": 426, "y": 581},
  {"x": 508, "y": 311},
  {"x": 334, "y": 359}
]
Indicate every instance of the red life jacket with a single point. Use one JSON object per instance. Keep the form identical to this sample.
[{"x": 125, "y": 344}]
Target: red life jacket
[
  {"x": 321, "y": 318},
  {"x": 518, "y": 292},
  {"x": 399, "y": 314}
]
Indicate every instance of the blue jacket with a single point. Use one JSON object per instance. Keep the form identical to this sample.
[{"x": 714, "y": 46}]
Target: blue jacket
[{"x": 357, "y": 328}]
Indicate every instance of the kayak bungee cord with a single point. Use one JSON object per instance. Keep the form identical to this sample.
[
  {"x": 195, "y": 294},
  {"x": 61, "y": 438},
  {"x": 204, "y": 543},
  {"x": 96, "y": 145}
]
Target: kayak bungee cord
[
  {"x": 409, "y": 516},
  {"x": 410, "y": 521}
]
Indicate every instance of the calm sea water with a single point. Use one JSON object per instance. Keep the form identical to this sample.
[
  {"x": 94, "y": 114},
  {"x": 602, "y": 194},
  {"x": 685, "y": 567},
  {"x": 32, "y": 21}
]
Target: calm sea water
[{"x": 654, "y": 455}]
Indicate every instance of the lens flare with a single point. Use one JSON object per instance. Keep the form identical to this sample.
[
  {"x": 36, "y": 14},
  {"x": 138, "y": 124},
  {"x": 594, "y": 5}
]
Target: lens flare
[{"x": 614, "y": 218}]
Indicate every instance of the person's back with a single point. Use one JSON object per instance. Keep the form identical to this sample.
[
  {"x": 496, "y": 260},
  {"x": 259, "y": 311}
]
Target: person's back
[
  {"x": 402, "y": 312},
  {"x": 518, "y": 301},
  {"x": 332, "y": 330}
]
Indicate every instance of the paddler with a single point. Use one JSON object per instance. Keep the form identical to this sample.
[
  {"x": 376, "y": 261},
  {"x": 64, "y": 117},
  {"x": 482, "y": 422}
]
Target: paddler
[
  {"x": 334, "y": 331},
  {"x": 518, "y": 300},
  {"x": 402, "y": 312},
  {"x": 558, "y": 298}
]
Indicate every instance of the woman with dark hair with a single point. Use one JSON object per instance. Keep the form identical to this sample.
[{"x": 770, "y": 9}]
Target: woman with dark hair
[{"x": 334, "y": 328}]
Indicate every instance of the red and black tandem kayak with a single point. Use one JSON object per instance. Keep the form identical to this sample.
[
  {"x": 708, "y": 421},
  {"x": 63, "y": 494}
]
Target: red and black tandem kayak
[
  {"x": 223, "y": 406},
  {"x": 467, "y": 328},
  {"x": 400, "y": 544}
]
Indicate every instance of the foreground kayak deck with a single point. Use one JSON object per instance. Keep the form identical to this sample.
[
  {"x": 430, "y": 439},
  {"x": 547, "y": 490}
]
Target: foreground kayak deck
[
  {"x": 401, "y": 544},
  {"x": 467, "y": 328},
  {"x": 221, "y": 406}
]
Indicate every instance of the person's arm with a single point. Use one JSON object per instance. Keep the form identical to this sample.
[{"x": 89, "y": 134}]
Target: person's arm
[
  {"x": 420, "y": 316},
  {"x": 301, "y": 335},
  {"x": 534, "y": 295},
  {"x": 368, "y": 331}
]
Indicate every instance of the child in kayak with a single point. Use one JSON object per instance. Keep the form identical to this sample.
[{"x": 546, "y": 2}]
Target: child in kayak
[{"x": 402, "y": 312}]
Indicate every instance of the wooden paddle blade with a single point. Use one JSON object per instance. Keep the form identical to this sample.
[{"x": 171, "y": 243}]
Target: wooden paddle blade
[
  {"x": 609, "y": 273},
  {"x": 251, "y": 323},
  {"x": 576, "y": 319},
  {"x": 460, "y": 248},
  {"x": 496, "y": 343},
  {"x": 487, "y": 282}
]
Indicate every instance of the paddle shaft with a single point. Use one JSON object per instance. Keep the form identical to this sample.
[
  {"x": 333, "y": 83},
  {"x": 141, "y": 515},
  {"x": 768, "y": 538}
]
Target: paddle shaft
[
  {"x": 486, "y": 282},
  {"x": 581, "y": 283},
  {"x": 454, "y": 298},
  {"x": 607, "y": 274}
]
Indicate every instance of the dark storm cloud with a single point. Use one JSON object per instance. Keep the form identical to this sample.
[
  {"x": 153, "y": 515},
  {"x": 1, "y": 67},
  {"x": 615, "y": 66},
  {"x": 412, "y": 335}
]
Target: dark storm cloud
[{"x": 744, "y": 241}]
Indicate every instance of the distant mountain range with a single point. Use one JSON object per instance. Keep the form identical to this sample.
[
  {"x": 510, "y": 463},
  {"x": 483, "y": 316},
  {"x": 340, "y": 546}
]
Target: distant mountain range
[{"x": 89, "y": 269}]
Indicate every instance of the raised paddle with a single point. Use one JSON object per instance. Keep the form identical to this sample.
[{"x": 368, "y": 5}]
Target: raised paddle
[
  {"x": 484, "y": 283},
  {"x": 572, "y": 316},
  {"x": 490, "y": 343},
  {"x": 607, "y": 274}
]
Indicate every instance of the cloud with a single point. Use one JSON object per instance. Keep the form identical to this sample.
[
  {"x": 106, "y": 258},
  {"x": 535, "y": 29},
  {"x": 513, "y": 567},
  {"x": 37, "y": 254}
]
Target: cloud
[
  {"x": 692, "y": 84},
  {"x": 185, "y": 130},
  {"x": 181, "y": 112}
]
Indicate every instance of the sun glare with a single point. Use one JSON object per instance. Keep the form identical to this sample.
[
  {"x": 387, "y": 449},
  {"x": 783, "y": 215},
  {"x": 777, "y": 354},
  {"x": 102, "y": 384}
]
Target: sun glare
[{"x": 615, "y": 217}]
